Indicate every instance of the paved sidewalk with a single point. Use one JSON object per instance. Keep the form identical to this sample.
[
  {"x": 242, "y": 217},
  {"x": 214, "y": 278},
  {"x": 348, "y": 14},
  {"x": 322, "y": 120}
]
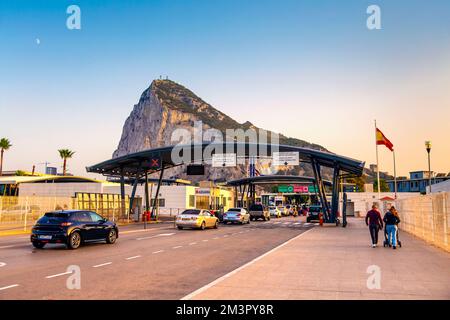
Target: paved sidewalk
[{"x": 331, "y": 263}]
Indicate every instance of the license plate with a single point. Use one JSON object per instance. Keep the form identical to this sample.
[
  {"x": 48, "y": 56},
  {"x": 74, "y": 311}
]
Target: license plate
[{"x": 45, "y": 237}]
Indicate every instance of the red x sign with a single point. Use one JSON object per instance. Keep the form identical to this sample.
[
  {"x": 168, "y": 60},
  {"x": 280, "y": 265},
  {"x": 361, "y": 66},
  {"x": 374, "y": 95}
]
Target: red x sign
[{"x": 154, "y": 163}]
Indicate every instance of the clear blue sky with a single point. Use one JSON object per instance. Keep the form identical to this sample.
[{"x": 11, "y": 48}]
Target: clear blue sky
[{"x": 278, "y": 64}]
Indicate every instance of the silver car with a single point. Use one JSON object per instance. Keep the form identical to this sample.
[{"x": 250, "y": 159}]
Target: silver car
[{"x": 236, "y": 215}]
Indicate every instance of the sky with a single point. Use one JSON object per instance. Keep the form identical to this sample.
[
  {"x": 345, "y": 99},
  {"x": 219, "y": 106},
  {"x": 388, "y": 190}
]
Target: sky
[{"x": 308, "y": 69}]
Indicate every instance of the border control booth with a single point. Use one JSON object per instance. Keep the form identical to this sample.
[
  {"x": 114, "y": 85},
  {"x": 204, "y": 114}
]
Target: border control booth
[{"x": 137, "y": 166}]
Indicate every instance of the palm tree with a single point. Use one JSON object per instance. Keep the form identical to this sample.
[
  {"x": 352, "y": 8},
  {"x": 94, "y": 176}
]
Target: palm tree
[
  {"x": 65, "y": 154},
  {"x": 4, "y": 145}
]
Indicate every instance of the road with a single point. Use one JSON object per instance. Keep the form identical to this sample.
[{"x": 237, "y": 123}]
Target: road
[{"x": 160, "y": 262}]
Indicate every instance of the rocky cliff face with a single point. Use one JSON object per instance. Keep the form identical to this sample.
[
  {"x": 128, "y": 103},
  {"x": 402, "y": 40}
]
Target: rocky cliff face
[{"x": 166, "y": 106}]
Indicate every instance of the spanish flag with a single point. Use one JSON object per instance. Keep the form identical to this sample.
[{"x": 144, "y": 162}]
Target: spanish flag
[{"x": 381, "y": 139}]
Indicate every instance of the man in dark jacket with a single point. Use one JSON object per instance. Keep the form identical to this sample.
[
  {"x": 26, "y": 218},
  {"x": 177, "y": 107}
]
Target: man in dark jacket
[{"x": 375, "y": 223}]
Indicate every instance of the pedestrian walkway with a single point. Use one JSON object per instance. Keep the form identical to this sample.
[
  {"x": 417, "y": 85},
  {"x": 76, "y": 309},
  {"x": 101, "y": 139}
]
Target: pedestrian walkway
[{"x": 332, "y": 263}]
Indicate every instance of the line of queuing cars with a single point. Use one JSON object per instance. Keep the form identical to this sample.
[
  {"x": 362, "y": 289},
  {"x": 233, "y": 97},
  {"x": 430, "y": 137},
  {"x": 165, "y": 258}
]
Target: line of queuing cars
[
  {"x": 202, "y": 219},
  {"x": 75, "y": 227}
]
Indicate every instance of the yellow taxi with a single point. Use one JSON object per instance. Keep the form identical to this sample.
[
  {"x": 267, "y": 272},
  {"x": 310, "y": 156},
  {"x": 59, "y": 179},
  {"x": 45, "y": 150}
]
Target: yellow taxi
[{"x": 196, "y": 219}]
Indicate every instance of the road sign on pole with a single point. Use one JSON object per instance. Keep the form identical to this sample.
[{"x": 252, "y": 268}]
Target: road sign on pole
[
  {"x": 285, "y": 158},
  {"x": 224, "y": 160}
]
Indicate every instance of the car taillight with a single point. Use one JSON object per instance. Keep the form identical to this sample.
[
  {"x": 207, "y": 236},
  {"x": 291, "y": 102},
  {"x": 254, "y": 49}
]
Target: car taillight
[
  {"x": 238, "y": 215},
  {"x": 66, "y": 224}
]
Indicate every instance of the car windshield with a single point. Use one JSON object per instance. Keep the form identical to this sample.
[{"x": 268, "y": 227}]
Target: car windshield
[
  {"x": 256, "y": 207},
  {"x": 234, "y": 210},
  {"x": 54, "y": 217},
  {"x": 191, "y": 212}
]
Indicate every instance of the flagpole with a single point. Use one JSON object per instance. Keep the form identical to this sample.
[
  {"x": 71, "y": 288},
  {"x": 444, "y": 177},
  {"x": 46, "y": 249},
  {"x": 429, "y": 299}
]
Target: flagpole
[
  {"x": 378, "y": 166},
  {"x": 395, "y": 175}
]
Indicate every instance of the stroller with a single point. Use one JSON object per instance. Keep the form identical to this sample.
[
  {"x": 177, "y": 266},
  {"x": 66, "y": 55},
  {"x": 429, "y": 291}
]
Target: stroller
[{"x": 386, "y": 239}]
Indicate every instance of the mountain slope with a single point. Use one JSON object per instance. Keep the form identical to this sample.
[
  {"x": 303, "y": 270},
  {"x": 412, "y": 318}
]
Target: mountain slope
[{"x": 166, "y": 106}]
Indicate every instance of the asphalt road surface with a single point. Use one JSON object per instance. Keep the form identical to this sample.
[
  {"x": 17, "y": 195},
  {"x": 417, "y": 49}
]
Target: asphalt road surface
[{"x": 160, "y": 262}]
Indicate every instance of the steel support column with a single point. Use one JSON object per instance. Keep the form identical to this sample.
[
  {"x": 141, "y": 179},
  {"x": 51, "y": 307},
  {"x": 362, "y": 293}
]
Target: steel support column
[
  {"x": 157, "y": 190},
  {"x": 242, "y": 195},
  {"x": 122, "y": 193},
  {"x": 344, "y": 210},
  {"x": 133, "y": 194},
  {"x": 321, "y": 190},
  {"x": 335, "y": 195}
]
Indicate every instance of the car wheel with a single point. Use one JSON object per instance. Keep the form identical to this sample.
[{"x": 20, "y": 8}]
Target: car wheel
[
  {"x": 74, "y": 240},
  {"x": 268, "y": 218},
  {"x": 216, "y": 225},
  {"x": 308, "y": 220},
  {"x": 112, "y": 236},
  {"x": 38, "y": 245},
  {"x": 180, "y": 227},
  {"x": 203, "y": 226}
]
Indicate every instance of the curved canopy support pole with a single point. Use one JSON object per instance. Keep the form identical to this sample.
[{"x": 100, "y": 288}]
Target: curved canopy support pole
[
  {"x": 147, "y": 199},
  {"x": 122, "y": 193},
  {"x": 335, "y": 195},
  {"x": 133, "y": 194},
  {"x": 157, "y": 191},
  {"x": 344, "y": 210},
  {"x": 321, "y": 187}
]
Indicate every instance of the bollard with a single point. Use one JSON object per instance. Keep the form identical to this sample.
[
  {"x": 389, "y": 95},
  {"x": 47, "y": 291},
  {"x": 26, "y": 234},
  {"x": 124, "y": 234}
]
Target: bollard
[{"x": 321, "y": 219}]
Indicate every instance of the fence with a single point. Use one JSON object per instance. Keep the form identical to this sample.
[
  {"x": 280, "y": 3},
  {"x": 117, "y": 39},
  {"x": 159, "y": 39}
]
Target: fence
[
  {"x": 427, "y": 217},
  {"x": 21, "y": 213}
]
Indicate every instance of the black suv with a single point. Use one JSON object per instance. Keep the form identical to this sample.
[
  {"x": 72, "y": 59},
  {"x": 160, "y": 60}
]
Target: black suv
[{"x": 72, "y": 228}]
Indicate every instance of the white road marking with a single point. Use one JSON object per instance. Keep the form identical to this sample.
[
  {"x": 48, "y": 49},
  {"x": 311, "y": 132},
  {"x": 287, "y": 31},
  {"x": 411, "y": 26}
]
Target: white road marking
[
  {"x": 102, "y": 265},
  {"x": 307, "y": 224},
  {"x": 142, "y": 230},
  {"x": 133, "y": 257},
  {"x": 225, "y": 236},
  {"x": 9, "y": 287},
  {"x": 156, "y": 236},
  {"x": 287, "y": 223},
  {"x": 11, "y": 246},
  {"x": 192, "y": 243},
  {"x": 159, "y": 251},
  {"x": 297, "y": 223},
  {"x": 2, "y": 264},
  {"x": 206, "y": 240},
  {"x": 177, "y": 247},
  {"x": 218, "y": 280},
  {"x": 277, "y": 222},
  {"x": 58, "y": 275},
  {"x": 215, "y": 238}
]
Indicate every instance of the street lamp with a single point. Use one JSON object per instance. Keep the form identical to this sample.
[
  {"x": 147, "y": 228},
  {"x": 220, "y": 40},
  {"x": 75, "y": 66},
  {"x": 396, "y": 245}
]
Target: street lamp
[{"x": 428, "y": 148}]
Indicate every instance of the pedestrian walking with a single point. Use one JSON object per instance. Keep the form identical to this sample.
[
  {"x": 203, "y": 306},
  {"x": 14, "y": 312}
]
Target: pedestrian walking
[
  {"x": 375, "y": 223},
  {"x": 391, "y": 219}
]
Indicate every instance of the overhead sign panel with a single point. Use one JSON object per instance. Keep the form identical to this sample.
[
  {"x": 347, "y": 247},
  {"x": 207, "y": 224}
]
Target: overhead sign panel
[
  {"x": 285, "y": 189},
  {"x": 285, "y": 158},
  {"x": 224, "y": 160}
]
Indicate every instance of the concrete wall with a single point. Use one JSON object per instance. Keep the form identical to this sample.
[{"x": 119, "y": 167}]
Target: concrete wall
[
  {"x": 427, "y": 217},
  {"x": 363, "y": 201}
]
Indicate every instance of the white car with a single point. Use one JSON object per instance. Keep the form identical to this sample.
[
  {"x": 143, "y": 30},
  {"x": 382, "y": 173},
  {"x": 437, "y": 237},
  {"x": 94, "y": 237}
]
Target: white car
[
  {"x": 274, "y": 212},
  {"x": 236, "y": 215},
  {"x": 196, "y": 219},
  {"x": 284, "y": 211}
]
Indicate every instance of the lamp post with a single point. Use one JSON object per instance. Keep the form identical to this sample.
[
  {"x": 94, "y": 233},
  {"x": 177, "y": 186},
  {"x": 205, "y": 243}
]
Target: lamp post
[{"x": 428, "y": 148}]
